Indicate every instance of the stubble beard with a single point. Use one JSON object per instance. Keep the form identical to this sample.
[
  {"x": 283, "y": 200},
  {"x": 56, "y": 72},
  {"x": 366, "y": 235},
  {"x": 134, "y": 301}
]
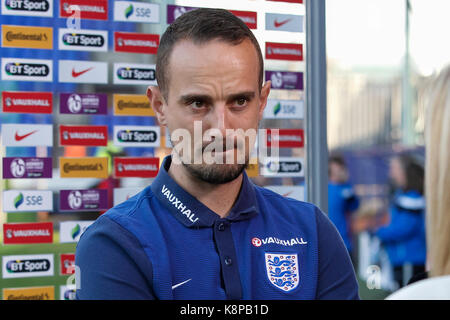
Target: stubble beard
[{"x": 216, "y": 173}]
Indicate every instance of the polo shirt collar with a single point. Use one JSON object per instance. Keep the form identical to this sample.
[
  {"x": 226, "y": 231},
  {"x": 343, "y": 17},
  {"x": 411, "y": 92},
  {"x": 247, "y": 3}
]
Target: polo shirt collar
[{"x": 191, "y": 212}]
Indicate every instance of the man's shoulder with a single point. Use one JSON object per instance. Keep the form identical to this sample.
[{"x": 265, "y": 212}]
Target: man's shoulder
[
  {"x": 286, "y": 206},
  {"x": 132, "y": 205},
  {"x": 278, "y": 198},
  {"x": 117, "y": 220}
]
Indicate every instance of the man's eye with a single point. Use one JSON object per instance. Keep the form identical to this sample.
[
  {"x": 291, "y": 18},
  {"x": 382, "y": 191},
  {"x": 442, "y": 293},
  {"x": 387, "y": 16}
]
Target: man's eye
[
  {"x": 242, "y": 102},
  {"x": 197, "y": 104}
]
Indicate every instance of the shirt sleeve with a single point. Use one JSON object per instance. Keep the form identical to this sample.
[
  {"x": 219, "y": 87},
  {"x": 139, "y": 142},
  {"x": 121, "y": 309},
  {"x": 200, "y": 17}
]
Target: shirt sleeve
[
  {"x": 403, "y": 227},
  {"x": 336, "y": 280},
  {"x": 112, "y": 264}
]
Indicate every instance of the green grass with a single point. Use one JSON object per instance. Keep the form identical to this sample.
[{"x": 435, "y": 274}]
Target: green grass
[{"x": 371, "y": 294}]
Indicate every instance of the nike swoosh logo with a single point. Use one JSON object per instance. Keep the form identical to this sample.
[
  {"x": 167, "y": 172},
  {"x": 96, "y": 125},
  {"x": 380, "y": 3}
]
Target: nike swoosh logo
[
  {"x": 77, "y": 74},
  {"x": 279, "y": 24},
  {"x": 21, "y": 137},
  {"x": 180, "y": 284}
]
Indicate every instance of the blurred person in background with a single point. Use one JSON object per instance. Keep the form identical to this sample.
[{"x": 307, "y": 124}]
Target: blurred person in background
[
  {"x": 342, "y": 201},
  {"x": 437, "y": 186},
  {"x": 404, "y": 236}
]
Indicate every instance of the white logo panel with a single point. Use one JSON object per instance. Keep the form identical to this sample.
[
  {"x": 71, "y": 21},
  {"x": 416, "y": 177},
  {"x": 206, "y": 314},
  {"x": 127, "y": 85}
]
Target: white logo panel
[
  {"x": 27, "y": 135},
  {"x": 83, "y": 71}
]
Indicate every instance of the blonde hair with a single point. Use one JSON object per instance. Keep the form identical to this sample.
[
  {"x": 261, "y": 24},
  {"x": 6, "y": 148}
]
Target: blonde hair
[{"x": 437, "y": 175}]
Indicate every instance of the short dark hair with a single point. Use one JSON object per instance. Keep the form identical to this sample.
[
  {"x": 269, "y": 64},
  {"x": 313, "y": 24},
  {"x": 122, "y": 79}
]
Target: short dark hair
[
  {"x": 200, "y": 26},
  {"x": 414, "y": 173},
  {"x": 338, "y": 159}
]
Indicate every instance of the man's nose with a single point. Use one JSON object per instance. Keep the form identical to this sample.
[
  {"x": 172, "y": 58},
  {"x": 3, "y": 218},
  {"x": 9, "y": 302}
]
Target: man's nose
[{"x": 221, "y": 118}]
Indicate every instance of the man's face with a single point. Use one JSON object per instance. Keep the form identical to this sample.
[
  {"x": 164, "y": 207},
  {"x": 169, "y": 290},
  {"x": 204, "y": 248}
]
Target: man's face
[
  {"x": 337, "y": 173},
  {"x": 215, "y": 83},
  {"x": 397, "y": 173}
]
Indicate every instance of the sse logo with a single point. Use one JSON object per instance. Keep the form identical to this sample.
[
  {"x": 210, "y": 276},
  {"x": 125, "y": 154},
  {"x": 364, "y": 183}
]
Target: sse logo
[
  {"x": 133, "y": 11},
  {"x": 27, "y": 200}
]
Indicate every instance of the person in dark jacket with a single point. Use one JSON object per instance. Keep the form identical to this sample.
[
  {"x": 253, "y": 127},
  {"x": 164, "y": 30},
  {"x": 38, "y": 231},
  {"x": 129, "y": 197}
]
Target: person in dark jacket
[{"x": 404, "y": 236}]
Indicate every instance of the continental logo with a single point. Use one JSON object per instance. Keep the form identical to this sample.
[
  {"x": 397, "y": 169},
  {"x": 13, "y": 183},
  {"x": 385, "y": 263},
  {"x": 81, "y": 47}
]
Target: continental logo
[
  {"x": 29, "y": 293},
  {"x": 27, "y": 37},
  {"x": 132, "y": 105},
  {"x": 94, "y": 167}
]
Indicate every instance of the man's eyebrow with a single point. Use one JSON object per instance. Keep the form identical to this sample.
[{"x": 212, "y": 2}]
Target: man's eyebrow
[
  {"x": 245, "y": 94},
  {"x": 189, "y": 98}
]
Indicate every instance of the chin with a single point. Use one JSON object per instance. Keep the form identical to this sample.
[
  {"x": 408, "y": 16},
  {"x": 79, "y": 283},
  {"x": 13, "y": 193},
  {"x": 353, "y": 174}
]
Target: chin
[{"x": 216, "y": 173}]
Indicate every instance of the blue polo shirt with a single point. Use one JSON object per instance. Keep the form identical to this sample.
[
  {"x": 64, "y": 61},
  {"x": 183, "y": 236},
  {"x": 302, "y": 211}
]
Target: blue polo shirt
[{"x": 165, "y": 244}]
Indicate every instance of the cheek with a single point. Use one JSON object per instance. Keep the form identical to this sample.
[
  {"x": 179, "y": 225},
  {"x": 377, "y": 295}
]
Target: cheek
[{"x": 248, "y": 119}]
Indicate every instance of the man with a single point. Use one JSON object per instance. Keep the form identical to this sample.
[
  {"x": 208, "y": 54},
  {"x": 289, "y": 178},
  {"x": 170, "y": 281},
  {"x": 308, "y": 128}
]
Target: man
[
  {"x": 204, "y": 231},
  {"x": 342, "y": 201}
]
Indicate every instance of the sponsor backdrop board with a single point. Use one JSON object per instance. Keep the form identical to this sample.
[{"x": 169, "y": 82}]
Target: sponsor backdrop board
[{"x": 78, "y": 132}]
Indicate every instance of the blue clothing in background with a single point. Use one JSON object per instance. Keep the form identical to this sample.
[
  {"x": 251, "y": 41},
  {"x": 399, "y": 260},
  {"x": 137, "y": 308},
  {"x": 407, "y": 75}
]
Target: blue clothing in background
[
  {"x": 404, "y": 237},
  {"x": 342, "y": 201}
]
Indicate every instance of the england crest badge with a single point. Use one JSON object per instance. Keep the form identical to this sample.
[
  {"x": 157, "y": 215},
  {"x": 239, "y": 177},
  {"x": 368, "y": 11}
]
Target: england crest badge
[{"x": 282, "y": 270}]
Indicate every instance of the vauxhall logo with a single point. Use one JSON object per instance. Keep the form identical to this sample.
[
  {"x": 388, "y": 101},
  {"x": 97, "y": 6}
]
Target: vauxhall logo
[
  {"x": 178, "y": 204},
  {"x": 27, "y": 69},
  {"x": 28, "y": 5},
  {"x": 84, "y": 40}
]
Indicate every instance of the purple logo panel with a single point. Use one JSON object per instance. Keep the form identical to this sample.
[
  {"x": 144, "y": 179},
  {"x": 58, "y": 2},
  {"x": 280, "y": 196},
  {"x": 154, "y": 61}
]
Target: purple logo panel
[
  {"x": 83, "y": 103},
  {"x": 285, "y": 79},
  {"x": 83, "y": 200},
  {"x": 27, "y": 168}
]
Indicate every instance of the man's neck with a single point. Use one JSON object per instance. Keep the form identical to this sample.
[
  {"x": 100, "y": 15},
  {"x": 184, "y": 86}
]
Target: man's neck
[{"x": 220, "y": 198}]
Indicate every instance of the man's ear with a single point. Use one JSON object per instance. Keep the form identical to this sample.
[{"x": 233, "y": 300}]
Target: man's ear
[
  {"x": 265, "y": 90},
  {"x": 157, "y": 102}
]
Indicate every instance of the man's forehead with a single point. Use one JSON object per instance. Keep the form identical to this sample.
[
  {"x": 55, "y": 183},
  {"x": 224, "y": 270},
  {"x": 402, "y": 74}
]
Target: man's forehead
[
  {"x": 188, "y": 55},
  {"x": 197, "y": 64}
]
